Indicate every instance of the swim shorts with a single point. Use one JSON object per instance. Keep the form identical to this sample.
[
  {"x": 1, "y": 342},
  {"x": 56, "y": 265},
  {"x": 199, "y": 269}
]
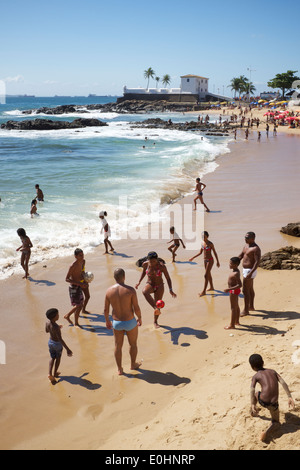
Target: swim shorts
[
  {"x": 235, "y": 291},
  {"x": 76, "y": 295},
  {"x": 246, "y": 271},
  {"x": 124, "y": 325},
  {"x": 55, "y": 349}
]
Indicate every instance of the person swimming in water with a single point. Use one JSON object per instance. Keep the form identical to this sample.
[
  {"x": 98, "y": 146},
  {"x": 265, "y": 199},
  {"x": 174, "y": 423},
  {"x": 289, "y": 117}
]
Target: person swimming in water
[{"x": 155, "y": 268}]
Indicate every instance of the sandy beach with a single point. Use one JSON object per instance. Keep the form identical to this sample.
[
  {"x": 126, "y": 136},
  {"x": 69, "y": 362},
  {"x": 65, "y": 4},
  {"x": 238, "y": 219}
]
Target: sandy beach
[{"x": 193, "y": 388}]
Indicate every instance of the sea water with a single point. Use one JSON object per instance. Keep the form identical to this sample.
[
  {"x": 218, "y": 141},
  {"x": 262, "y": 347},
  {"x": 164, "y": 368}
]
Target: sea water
[{"x": 116, "y": 168}]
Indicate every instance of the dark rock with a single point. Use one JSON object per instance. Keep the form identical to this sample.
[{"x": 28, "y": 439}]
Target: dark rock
[
  {"x": 292, "y": 229},
  {"x": 48, "y": 124},
  {"x": 284, "y": 258}
]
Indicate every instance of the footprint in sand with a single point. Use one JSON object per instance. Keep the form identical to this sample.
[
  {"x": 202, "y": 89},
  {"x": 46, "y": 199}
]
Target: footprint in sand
[{"x": 90, "y": 411}]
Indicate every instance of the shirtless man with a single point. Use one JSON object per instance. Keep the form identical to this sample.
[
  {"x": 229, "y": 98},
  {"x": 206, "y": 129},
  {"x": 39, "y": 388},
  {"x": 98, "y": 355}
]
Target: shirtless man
[
  {"x": 75, "y": 278},
  {"x": 200, "y": 188},
  {"x": 250, "y": 255},
  {"x": 268, "y": 379},
  {"x": 123, "y": 300},
  {"x": 39, "y": 193}
]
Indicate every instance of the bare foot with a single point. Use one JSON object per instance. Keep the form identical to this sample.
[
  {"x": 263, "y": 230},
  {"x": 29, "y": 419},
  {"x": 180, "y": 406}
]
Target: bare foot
[
  {"x": 157, "y": 312},
  {"x": 120, "y": 371},
  {"x": 244, "y": 314},
  {"x": 52, "y": 379},
  {"x": 229, "y": 327},
  {"x": 202, "y": 294},
  {"x": 66, "y": 317},
  {"x": 57, "y": 374},
  {"x": 136, "y": 366}
]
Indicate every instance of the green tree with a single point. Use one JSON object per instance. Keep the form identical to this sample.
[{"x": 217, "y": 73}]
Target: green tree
[
  {"x": 149, "y": 73},
  {"x": 239, "y": 84},
  {"x": 166, "y": 80},
  {"x": 284, "y": 81},
  {"x": 157, "y": 81}
]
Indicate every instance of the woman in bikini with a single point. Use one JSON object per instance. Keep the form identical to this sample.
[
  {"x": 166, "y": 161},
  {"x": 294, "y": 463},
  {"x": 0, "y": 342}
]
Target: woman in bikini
[
  {"x": 25, "y": 248},
  {"x": 208, "y": 249},
  {"x": 154, "y": 268}
]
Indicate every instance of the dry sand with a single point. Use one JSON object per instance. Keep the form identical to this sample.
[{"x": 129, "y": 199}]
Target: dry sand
[{"x": 192, "y": 391}]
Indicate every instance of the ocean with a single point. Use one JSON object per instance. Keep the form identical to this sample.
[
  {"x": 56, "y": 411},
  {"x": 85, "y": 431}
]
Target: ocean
[{"x": 119, "y": 169}]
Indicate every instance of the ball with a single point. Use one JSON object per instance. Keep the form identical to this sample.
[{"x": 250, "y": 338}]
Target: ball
[
  {"x": 88, "y": 276},
  {"x": 160, "y": 304}
]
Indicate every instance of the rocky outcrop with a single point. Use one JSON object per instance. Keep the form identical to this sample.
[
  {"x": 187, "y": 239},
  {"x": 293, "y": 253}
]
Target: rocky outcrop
[
  {"x": 48, "y": 124},
  {"x": 284, "y": 258},
  {"x": 124, "y": 107},
  {"x": 157, "y": 123},
  {"x": 292, "y": 229}
]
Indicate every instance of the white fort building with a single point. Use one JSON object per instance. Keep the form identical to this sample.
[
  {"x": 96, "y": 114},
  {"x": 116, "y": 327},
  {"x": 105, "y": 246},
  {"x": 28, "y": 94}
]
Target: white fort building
[{"x": 192, "y": 88}]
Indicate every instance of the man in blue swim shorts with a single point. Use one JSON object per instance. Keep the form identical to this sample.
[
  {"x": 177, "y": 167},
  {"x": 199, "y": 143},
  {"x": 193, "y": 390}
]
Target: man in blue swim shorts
[{"x": 123, "y": 300}]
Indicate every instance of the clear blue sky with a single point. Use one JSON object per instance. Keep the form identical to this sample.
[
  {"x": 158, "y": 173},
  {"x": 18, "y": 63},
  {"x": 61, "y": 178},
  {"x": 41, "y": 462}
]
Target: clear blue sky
[{"x": 71, "y": 47}]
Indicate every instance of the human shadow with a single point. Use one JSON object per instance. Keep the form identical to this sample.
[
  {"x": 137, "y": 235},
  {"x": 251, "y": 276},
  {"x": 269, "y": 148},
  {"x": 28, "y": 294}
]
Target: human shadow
[
  {"x": 290, "y": 426},
  {"x": 273, "y": 315},
  {"x": 261, "y": 330},
  {"x": 73, "y": 380},
  {"x": 219, "y": 293},
  {"x": 184, "y": 330},
  {"x": 123, "y": 255},
  {"x": 162, "y": 378},
  {"x": 41, "y": 281},
  {"x": 185, "y": 262},
  {"x": 100, "y": 330}
]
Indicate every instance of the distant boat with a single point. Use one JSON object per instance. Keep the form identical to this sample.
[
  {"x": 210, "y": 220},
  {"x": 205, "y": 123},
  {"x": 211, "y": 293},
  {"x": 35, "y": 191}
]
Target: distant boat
[{"x": 91, "y": 95}]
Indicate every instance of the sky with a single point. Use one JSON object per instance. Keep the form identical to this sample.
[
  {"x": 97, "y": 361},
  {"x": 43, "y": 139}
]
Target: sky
[{"x": 71, "y": 47}]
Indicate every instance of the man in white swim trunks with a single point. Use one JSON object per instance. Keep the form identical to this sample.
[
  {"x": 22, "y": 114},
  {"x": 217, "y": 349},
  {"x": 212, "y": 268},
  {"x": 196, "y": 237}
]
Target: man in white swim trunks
[
  {"x": 123, "y": 300},
  {"x": 250, "y": 255}
]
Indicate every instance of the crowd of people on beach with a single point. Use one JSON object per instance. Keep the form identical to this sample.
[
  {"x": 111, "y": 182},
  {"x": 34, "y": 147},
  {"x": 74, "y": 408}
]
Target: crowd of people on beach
[{"x": 126, "y": 314}]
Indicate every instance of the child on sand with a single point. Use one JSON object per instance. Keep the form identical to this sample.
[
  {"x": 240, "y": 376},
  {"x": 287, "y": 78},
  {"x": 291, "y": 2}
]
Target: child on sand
[
  {"x": 200, "y": 188},
  {"x": 208, "y": 249},
  {"x": 268, "y": 379},
  {"x": 56, "y": 343},
  {"x": 106, "y": 229},
  {"x": 75, "y": 277},
  {"x": 25, "y": 248},
  {"x": 175, "y": 243},
  {"x": 234, "y": 289}
]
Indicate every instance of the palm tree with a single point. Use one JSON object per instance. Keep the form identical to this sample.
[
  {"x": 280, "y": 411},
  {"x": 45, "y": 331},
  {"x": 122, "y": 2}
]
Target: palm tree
[
  {"x": 149, "y": 73},
  {"x": 235, "y": 85},
  {"x": 249, "y": 89},
  {"x": 157, "y": 81},
  {"x": 166, "y": 80}
]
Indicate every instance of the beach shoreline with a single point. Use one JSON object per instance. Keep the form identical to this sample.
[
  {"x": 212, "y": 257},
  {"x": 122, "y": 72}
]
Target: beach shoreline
[{"x": 159, "y": 407}]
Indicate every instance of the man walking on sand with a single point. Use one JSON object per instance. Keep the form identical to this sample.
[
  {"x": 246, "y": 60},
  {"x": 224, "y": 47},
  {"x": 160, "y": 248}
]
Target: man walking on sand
[
  {"x": 250, "y": 255},
  {"x": 123, "y": 300}
]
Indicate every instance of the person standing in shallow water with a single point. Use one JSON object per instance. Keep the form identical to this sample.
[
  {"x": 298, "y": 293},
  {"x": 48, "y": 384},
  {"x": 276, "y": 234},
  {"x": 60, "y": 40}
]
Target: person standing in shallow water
[
  {"x": 251, "y": 255},
  {"x": 106, "y": 229}
]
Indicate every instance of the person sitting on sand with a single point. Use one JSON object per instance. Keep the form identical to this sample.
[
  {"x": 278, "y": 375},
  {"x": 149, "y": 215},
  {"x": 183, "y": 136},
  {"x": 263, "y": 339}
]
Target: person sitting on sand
[
  {"x": 76, "y": 279},
  {"x": 268, "y": 379},
  {"x": 208, "y": 249},
  {"x": 200, "y": 188},
  {"x": 106, "y": 229},
  {"x": 25, "y": 248},
  {"x": 250, "y": 255},
  {"x": 154, "y": 268},
  {"x": 123, "y": 300},
  {"x": 234, "y": 290},
  {"x": 55, "y": 343},
  {"x": 176, "y": 240}
]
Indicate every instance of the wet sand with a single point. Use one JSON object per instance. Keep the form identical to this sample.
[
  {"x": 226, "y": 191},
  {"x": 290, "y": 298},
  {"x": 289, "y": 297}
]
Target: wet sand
[{"x": 192, "y": 391}]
